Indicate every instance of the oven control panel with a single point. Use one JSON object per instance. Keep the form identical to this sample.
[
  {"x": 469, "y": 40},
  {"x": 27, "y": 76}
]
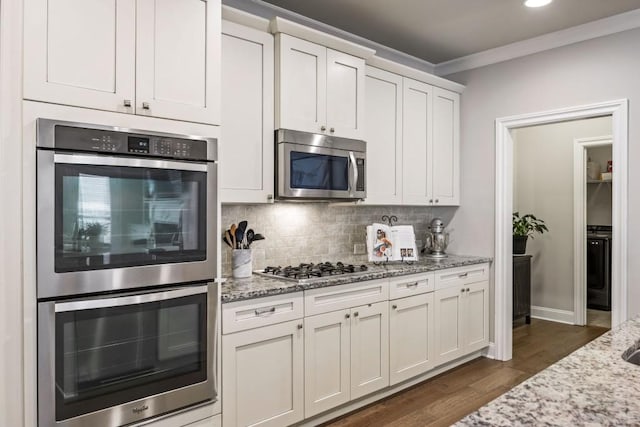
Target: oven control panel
[{"x": 115, "y": 142}]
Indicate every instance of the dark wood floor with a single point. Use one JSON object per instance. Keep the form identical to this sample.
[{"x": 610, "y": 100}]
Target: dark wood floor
[{"x": 447, "y": 398}]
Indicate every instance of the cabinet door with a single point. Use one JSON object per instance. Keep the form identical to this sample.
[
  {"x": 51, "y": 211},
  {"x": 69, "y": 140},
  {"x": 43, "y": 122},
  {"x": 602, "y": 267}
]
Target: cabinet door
[
  {"x": 178, "y": 59},
  {"x": 301, "y": 97},
  {"x": 449, "y": 324},
  {"x": 417, "y": 152},
  {"x": 369, "y": 348},
  {"x": 446, "y": 147},
  {"x": 262, "y": 376},
  {"x": 246, "y": 171},
  {"x": 345, "y": 95},
  {"x": 326, "y": 361},
  {"x": 476, "y": 326},
  {"x": 80, "y": 52},
  {"x": 383, "y": 133},
  {"x": 411, "y": 330}
]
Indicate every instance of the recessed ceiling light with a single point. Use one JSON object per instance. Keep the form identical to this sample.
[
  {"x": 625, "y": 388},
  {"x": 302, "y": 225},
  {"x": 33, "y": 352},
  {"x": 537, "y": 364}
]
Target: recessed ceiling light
[{"x": 536, "y": 3}]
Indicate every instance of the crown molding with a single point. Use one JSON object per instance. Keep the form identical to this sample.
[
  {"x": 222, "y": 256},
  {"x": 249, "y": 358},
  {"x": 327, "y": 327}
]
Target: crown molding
[
  {"x": 269, "y": 11},
  {"x": 403, "y": 70},
  {"x": 591, "y": 30},
  {"x": 243, "y": 18}
]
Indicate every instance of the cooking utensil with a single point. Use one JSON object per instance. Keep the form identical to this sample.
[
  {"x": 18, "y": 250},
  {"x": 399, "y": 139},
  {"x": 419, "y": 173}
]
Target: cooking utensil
[
  {"x": 229, "y": 239},
  {"x": 249, "y": 237},
  {"x": 226, "y": 240},
  {"x": 258, "y": 236},
  {"x": 242, "y": 226},
  {"x": 232, "y": 230},
  {"x": 238, "y": 238}
]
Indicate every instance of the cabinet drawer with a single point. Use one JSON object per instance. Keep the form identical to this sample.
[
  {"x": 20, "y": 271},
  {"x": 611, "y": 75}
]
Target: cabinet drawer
[
  {"x": 242, "y": 315},
  {"x": 461, "y": 275},
  {"x": 415, "y": 284},
  {"x": 324, "y": 300}
]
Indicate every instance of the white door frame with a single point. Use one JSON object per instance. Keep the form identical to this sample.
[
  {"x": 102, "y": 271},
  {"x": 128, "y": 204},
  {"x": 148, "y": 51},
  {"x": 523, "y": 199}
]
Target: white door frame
[
  {"x": 580, "y": 146},
  {"x": 503, "y": 263}
]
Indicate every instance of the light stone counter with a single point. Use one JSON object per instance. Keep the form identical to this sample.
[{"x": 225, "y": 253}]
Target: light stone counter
[
  {"x": 593, "y": 386},
  {"x": 260, "y": 286}
]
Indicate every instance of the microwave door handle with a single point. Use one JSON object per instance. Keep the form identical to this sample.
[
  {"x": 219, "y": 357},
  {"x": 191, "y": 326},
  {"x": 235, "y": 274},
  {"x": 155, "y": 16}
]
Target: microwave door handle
[
  {"x": 354, "y": 174},
  {"x": 84, "y": 159}
]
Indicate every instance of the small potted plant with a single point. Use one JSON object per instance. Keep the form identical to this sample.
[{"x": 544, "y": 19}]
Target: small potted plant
[{"x": 523, "y": 227}]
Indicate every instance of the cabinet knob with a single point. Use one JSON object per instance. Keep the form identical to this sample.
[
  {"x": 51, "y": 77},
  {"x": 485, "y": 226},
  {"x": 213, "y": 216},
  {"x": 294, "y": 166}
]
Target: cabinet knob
[
  {"x": 437, "y": 200},
  {"x": 127, "y": 103},
  {"x": 462, "y": 290},
  {"x": 430, "y": 200},
  {"x": 467, "y": 289},
  {"x": 269, "y": 196},
  {"x": 346, "y": 316},
  {"x": 355, "y": 314},
  {"x": 323, "y": 128},
  {"x": 145, "y": 106},
  {"x": 299, "y": 325},
  {"x": 332, "y": 130},
  {"x": 395, "y": 307}
]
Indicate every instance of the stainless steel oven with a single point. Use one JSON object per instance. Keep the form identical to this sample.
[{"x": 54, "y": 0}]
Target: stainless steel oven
[
  {"x": 312, "y": 166},
  {"x": 112, "y": 360},
  {"x": 122, "y": 208}
]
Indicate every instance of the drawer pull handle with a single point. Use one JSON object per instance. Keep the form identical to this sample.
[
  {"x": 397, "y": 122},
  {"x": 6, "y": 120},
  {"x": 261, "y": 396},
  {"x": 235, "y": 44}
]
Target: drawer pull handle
[
  {"x": 462, "y": 275},
  {"x": 262, "y": 312},
  {"x": 412, "y": 285}
]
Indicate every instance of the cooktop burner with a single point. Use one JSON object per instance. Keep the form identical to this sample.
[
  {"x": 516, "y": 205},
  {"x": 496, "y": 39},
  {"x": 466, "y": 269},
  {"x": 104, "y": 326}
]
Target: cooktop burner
[{"x": 310, "y": 270}]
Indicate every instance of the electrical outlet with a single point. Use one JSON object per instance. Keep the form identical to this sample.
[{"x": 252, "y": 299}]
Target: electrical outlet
[
  {"x": 418, "y": 244},
  {"x": 359, "y": 249}
]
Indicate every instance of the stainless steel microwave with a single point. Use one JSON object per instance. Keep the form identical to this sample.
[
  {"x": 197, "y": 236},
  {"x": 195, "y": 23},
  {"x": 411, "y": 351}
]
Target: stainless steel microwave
[{"x": 319, "y": 167}]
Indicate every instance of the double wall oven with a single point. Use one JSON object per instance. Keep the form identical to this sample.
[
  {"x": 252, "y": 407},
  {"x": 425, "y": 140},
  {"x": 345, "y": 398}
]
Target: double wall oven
[{"x": 126, "y": 261}]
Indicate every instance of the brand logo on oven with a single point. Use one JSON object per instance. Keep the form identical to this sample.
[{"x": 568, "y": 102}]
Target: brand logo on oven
[{"x": 140, "y": 409}]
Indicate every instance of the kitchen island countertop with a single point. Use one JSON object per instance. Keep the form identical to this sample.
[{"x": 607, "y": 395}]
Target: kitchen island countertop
[
  {"x": 260, "y": 286},
  {"x": 592, "y": 386}
]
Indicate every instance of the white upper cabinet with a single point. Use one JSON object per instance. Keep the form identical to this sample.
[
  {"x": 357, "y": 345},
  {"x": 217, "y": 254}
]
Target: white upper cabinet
[
  {"x": 413, "y": 141},
  {"x": 151, "y": 57},
  {"x": 320, "y": 90},
  {"x": 178, "y": 59},
  {"x": 80, "y": 52},
  {"x": 446, "y": 147},
  {"x": 383, "y": 133},
  {"x": 417, "y": 148},
  {"x": 246, "y": 152}
]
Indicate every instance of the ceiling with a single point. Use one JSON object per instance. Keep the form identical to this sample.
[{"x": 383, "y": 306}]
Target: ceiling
[{"x": 440, "y": 30}]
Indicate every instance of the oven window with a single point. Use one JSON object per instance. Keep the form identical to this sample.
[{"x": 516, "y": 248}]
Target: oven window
[
  {"x": 319, "y": 171},
  {"x": 109, "y": 217},
  {"x": 109, "y": 356}
]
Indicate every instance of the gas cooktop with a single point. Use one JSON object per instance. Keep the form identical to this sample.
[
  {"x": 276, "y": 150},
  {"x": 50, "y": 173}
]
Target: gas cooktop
[{"x": 311, "y": 271}]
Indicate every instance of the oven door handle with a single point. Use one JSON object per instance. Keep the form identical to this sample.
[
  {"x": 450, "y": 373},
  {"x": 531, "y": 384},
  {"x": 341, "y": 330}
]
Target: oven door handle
[
  {"x": 83, "y": 159},
  {"x": 90, "y": 304},
  {"x": 354, "y": 174}
]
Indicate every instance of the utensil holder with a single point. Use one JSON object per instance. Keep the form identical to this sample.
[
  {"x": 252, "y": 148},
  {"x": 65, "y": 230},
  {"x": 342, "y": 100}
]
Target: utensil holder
[{"x": 241, "y": 263}]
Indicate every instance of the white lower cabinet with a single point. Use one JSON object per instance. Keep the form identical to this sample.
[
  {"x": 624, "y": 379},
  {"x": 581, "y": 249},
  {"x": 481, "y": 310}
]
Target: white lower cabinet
[
  {"x": 346, "y": 356},
  {"x": 462, "y": 319},
  {"x": 262, "y": 377},
  {"x": 411, "y": 330}
]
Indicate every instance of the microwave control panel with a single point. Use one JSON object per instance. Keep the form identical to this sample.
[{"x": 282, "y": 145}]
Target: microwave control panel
[{"x": 114, "y": 142}]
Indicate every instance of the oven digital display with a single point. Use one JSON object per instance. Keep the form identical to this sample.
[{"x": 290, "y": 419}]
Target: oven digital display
[{"x": 138, "y": 144}]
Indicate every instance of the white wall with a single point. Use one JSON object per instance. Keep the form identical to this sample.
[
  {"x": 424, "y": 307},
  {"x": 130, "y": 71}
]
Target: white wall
[
  {"x": 593, "y": 71},
  {"x": 543, "y": 185},
  {"x": 599, "y": 195}
]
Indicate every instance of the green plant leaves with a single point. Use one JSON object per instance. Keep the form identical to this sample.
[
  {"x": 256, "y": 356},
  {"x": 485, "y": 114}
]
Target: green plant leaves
[{"x": 527, "y": 225}]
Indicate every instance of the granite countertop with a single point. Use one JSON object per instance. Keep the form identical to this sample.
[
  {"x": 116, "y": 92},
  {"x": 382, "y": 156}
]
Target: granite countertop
[
  {"x": 260, "y": 286},
  {"x": 592, "y": 386}
]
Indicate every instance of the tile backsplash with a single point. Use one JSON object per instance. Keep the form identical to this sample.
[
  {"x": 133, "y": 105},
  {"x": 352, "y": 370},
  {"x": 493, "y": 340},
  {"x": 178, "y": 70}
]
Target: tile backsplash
[{"x": 317, "y": 232}]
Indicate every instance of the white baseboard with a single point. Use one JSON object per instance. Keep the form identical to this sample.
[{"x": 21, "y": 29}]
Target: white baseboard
[
  {"x": 490, "y": 352},
  {"x": 552, "y": 314}
]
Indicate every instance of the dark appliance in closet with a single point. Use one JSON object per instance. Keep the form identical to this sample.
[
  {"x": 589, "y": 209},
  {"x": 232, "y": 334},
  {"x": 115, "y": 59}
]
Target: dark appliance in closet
[{"x": 599, "y": 267}]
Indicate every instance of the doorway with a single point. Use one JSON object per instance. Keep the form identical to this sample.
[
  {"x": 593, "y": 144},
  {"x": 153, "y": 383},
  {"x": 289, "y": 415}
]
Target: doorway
[{"x": 618, "y": 110}]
